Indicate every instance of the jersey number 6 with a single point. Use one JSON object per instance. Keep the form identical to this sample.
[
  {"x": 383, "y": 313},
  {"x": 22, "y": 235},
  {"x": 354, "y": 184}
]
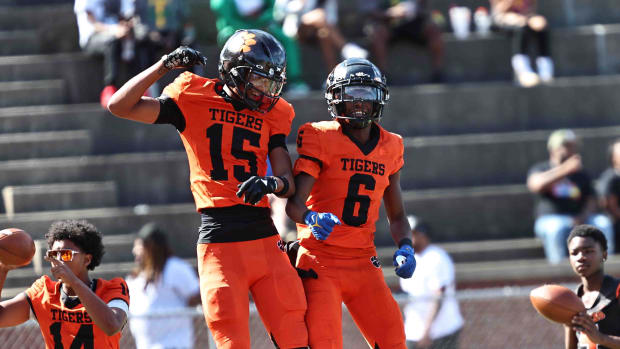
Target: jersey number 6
[{"x": 354, "y": 198}]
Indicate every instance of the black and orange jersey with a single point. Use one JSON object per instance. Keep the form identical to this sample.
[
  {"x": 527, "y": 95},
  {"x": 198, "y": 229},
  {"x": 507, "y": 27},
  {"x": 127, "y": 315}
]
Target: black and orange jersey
[
  {"x": 65, "y": 323},
  {"x": 225, "y": 145},
  {"x": 350, "y": 181}
]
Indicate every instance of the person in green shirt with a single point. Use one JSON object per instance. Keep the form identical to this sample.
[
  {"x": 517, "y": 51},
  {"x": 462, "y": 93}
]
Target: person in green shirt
[{"x": 233, "y": 15}]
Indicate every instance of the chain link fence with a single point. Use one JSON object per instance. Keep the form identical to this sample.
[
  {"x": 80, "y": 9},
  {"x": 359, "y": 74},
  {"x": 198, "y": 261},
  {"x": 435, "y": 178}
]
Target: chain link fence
[{"x": 494, "y": 318}]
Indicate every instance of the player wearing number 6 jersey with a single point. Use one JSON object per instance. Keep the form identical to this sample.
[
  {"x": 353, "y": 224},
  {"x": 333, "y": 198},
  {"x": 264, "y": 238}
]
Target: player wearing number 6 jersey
[
  {"x": 74, "y": 311},
  {"x": 346, "y": 167},
  {"x": 228, "y": 127}
]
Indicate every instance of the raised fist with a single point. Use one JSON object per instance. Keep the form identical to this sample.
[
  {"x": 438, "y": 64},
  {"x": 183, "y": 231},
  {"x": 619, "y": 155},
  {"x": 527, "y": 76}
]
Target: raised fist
[{"x": 183, "y": 57}]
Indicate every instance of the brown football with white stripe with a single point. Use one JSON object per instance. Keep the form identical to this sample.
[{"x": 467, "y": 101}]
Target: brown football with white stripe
[{"x": 16, "y": 247}]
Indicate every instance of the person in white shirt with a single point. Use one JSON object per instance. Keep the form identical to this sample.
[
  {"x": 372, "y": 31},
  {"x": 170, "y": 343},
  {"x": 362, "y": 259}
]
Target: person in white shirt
[
  {"x": 432, "y": 315},
  {"x": 162, "y": 284}
]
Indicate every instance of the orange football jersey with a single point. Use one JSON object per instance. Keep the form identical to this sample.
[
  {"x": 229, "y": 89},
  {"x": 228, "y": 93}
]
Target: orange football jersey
[
  {"x": 66, "y": 325},
  {"x": 224, "y": 146},
  {"x": 350, "y": 181}
]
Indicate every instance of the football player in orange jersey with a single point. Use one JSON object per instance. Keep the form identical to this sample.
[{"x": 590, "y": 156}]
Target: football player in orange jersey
[
  {"x": 228, "y": 127},
  {"x": 75, "y": 311},
  {"x": 346, "y": 167}
]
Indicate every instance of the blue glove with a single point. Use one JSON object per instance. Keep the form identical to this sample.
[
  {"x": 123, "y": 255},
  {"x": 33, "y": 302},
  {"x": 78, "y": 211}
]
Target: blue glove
[
  {"x": 321, "y": 224},
  {"x": 406, "y": 269}
]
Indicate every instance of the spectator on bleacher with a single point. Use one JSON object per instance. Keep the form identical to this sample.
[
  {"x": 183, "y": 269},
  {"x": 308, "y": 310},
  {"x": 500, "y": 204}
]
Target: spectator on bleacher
[
  {"x": 102, "y": 29},
  {"x": 528, "y": 29},
  {"x": 160, "y": 285},
  {"x": 317, "y": 20},
  {"x": 608, "y": 187},
  {"x": 389, "y": 21},
  {"x": 75, "y": 311},
  {"x": 432, "y": 315},
  {"x": 233, "y": 15},
  {"x": 566, "y": 196},
  {"x": 599, "y": 325}
]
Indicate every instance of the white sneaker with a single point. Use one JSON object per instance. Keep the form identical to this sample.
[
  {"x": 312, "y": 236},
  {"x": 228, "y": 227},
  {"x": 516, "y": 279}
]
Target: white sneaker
[
  {"x": 545, "y": 69},
  {"x": 351, "y": 50},
  {"x": 527, "y": 79},
  {"x": 297, "y": 90}
]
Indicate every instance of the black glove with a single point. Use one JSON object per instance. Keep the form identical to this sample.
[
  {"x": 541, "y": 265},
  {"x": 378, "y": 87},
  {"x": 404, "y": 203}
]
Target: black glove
[
  {"x": 256, "y": 187},
  {"x": 183, "y": 57}
]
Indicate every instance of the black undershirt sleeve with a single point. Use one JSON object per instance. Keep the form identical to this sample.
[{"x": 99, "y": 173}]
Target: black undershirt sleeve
[
  {"x": 169, "y": 113},
  {"x": 277, "y": 140}
]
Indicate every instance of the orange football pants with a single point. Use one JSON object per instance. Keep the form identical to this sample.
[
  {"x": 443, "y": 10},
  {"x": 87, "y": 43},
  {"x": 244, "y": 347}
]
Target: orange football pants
[
  {"x": 228, "y": 271},
  {"x": 358, "y": 283}
]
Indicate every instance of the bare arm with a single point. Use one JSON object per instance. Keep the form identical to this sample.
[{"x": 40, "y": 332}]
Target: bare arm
[
  {"x": 128, "y": 102},
  {"x": 13, "y": 311},
  {"x": 281, "y": 166},
  {"x": 541, "y": 181},
  {"x": 395, "y": 209},
  {"x": 109, "y": 319},
  {"x": 296, "y": 204}
]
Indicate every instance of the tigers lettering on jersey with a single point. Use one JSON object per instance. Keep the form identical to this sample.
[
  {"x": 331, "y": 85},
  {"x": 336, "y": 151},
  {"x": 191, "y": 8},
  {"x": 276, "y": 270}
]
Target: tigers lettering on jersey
[
  {"x": 225, "y": 143},
  {"x": 363, "y": 165},
  {"x": 237, "y": 118},
  {"x": 351, "y": 179},
  {"x": 69, "y": 316}
]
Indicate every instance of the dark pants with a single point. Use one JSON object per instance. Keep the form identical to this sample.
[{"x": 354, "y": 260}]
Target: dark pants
[
  {"x": 446, "y": 342},
  {"x": 108, "y": 46}
]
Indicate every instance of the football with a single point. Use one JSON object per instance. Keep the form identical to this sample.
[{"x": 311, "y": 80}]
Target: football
[
  {"x": 16, "y": 247},
  {"x": 556, "y": 303}
]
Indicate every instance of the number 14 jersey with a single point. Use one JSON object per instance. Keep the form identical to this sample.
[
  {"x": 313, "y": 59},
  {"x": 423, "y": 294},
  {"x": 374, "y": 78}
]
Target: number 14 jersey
[{"x": 350, "y": 181}]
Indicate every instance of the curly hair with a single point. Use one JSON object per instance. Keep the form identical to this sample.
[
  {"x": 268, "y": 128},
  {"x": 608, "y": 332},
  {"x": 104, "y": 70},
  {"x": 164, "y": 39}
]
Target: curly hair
[
  {"x": 83, "y": 234},
  {"x": 588, "y": 231}
]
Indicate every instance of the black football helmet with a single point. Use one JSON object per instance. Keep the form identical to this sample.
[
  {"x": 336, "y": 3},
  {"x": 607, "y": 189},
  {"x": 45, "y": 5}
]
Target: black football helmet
[
  {"x": 353, "y": 81},
  {"x": 253, "y": 64}
]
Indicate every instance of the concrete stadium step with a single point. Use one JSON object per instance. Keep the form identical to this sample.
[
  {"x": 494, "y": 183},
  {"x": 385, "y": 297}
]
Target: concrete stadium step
[
  {"x": 31, "y": 16},
  {"x": 487, "y": 107},
  {"x": 30, "y": 145},
  {"x": 128, "y": 136},
  {"x": 481, "y": 251},
  {"x": 152, "y": 178},
  {"x": 180, "y": 221},
  {"x": 58, "y": 196},
  {"x": 587, "y": 50},
  {"x": 468, "y": 213},
  {"x": 21, "y": 93},
  {"x": 557, "y": 12},
  {"x": 492, "y": 158},
  {"x": 19, "y": 42},
  {"x": 70, "y": 67}
]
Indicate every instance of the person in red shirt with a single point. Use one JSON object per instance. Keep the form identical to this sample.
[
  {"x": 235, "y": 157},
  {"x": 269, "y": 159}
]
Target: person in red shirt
[
  {"x": 75, "y": 311},
  {"x": 229, "y": 127},
  {"x": 346, "y": 167}
]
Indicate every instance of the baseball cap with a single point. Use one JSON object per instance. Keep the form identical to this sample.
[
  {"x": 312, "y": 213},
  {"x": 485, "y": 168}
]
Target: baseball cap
[{"x": 561, "y": 137}]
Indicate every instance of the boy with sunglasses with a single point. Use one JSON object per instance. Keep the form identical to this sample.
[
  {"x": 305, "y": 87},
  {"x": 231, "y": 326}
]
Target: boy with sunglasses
[{"x": 75, "y": 311}]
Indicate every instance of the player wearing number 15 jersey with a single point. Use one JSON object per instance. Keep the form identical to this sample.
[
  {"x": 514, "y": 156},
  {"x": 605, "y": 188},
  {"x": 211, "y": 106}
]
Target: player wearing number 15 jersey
[
  {"x": 228, "y": 127},
  {"x": 75, "y": 311},
  {"x": 346, "y": 167}
]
